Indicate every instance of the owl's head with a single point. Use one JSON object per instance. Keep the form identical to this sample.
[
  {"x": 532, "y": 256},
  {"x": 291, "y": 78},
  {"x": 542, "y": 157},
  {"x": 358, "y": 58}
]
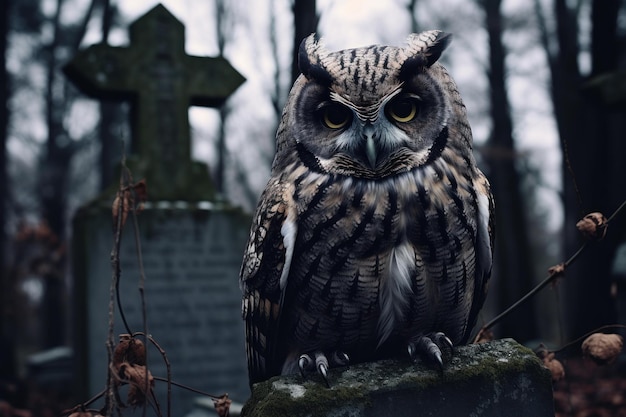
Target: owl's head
[{"x": 372, "y": 111}]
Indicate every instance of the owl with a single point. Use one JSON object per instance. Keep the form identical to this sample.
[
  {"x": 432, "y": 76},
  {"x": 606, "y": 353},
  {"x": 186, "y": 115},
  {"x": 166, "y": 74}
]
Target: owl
[{"x": 374, "y": 234}]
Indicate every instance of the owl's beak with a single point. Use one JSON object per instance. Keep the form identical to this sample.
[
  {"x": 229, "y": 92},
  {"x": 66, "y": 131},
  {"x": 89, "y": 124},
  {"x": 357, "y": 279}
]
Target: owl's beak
[{"x": 371, "y": 151}]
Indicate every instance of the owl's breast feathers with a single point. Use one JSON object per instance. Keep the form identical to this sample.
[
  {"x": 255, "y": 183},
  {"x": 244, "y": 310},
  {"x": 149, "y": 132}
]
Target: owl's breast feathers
[{"x": 336, "y": 262}]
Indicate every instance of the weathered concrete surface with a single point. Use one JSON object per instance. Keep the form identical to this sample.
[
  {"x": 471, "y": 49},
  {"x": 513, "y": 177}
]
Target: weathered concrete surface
[{"x": 500, "y": 378}]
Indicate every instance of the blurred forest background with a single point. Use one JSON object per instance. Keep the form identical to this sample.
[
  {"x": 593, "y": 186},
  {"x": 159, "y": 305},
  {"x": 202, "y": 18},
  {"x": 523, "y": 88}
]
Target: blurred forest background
[{"x": 544, "y": 82}]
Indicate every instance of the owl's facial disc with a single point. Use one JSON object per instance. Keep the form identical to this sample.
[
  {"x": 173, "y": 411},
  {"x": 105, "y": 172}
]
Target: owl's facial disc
[
  {"x": 372, "y": 111},
  {"x": 372, "y": 140}
]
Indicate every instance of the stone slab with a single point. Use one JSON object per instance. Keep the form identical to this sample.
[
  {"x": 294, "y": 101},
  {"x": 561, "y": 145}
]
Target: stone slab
[{"x": 500, "y": 378}]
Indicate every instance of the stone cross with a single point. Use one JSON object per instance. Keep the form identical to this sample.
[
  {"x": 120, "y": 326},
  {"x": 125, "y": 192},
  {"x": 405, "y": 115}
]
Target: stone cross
[{"x": 162, "y": 81}]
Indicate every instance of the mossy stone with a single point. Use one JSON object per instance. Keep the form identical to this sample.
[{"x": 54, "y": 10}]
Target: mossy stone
[{"x": 500, "y": 378}]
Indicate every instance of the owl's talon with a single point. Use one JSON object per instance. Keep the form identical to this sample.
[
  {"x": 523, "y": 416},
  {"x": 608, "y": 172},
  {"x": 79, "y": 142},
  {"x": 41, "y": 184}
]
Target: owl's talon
[
  {"x": 431, "y": 348},
  {"x": 411, "y": 351},
  {"x": 339, "y": 358},
  {"x": 321, "y": 363},
  {"x": 438, "y": 359},
  {"x": 442, "y": 340},
  {"x": 323, "y": 370},
  {"x": 305, "y": 364}
]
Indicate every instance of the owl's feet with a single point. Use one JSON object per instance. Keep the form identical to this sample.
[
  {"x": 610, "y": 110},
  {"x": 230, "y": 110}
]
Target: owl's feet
[
  {"x": 318, "y": 361},
  {"x": 432, "y": 348}
]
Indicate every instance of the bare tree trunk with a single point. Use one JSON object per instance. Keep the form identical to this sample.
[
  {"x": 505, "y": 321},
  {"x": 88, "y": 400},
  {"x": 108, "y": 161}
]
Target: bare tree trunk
[
  {"x": 54, "y": 192},
  {"x": 59, "y": 147},
  {"x": 514, "y": 263},
  {"x": 108, "y": 138},
  {"x": 54, "y": 177},
  {"x": 305, "y": 22},
  {"x": 604, "y": 40},
  {"x": 567, "y": 105},
  {"x": 7, "y": 346}
]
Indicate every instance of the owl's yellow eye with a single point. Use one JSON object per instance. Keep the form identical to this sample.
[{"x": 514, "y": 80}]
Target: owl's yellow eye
[
  {"x": 335, "y": 116},
  {"x": 403, "y": 109}
]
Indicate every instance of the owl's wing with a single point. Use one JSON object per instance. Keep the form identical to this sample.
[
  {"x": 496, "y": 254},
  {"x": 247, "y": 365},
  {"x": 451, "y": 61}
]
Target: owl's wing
[
  {"x": 484, "y": 248},
  {"x": 263, "y": 279}
]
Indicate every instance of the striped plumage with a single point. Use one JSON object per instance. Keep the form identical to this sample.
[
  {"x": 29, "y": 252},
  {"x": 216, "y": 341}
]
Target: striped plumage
[{"x": 374, "y": 232}]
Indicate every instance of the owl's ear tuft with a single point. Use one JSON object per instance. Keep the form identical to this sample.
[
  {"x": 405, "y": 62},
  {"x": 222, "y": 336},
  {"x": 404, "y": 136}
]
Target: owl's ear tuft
[
  {"x": 429, "y": 45},
  {"x": 310, "y": 62},
  {"x": 412, "y": 66}
]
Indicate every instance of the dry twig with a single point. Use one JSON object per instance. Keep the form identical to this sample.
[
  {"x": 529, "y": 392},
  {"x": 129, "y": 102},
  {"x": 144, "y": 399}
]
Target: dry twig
[{"x": 557, "y": 271}]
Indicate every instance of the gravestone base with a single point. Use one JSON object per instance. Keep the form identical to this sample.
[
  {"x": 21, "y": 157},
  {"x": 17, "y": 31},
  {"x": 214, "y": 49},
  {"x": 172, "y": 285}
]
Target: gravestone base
[
  {"x": 500, "y": 378},
  {"x": 191, "y": 256}
]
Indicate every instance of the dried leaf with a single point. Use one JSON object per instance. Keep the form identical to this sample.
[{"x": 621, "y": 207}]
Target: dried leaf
[
  {"x": 141, "y": 193},
  {"x": 602, "y": 348},
  {"x": 132, "y": 197},
  {"x": 554, "y": 365},
  {"x": 136, "y": 376},
  {"x": 124, "y": 198},
  {"x": 120, "y": 351},
  {"x": 222, "y": 405},
  {"x": 593, "y": 226},
  {"x": 557, "y": 269},
  {"x": 136, "y": 354},
  {"x": 129, "y": 350},
  {"x": 483, "y": 336},
  {"x": 557, "y": 272}
]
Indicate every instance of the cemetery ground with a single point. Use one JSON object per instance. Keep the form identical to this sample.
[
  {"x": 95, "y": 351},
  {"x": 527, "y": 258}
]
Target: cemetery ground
[{"x": 589, "y": 390}]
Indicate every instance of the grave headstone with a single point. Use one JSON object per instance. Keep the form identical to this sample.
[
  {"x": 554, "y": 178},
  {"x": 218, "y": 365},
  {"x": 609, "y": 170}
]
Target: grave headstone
[
  {"x": 191, "y": 245},
  {"x": 161, "y": 81}
]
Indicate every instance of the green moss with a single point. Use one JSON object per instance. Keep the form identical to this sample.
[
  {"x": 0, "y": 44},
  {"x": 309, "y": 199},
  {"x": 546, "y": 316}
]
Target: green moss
[
  {"x": 273, "y": 398},
  {"x": 357, "y": 389}
]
